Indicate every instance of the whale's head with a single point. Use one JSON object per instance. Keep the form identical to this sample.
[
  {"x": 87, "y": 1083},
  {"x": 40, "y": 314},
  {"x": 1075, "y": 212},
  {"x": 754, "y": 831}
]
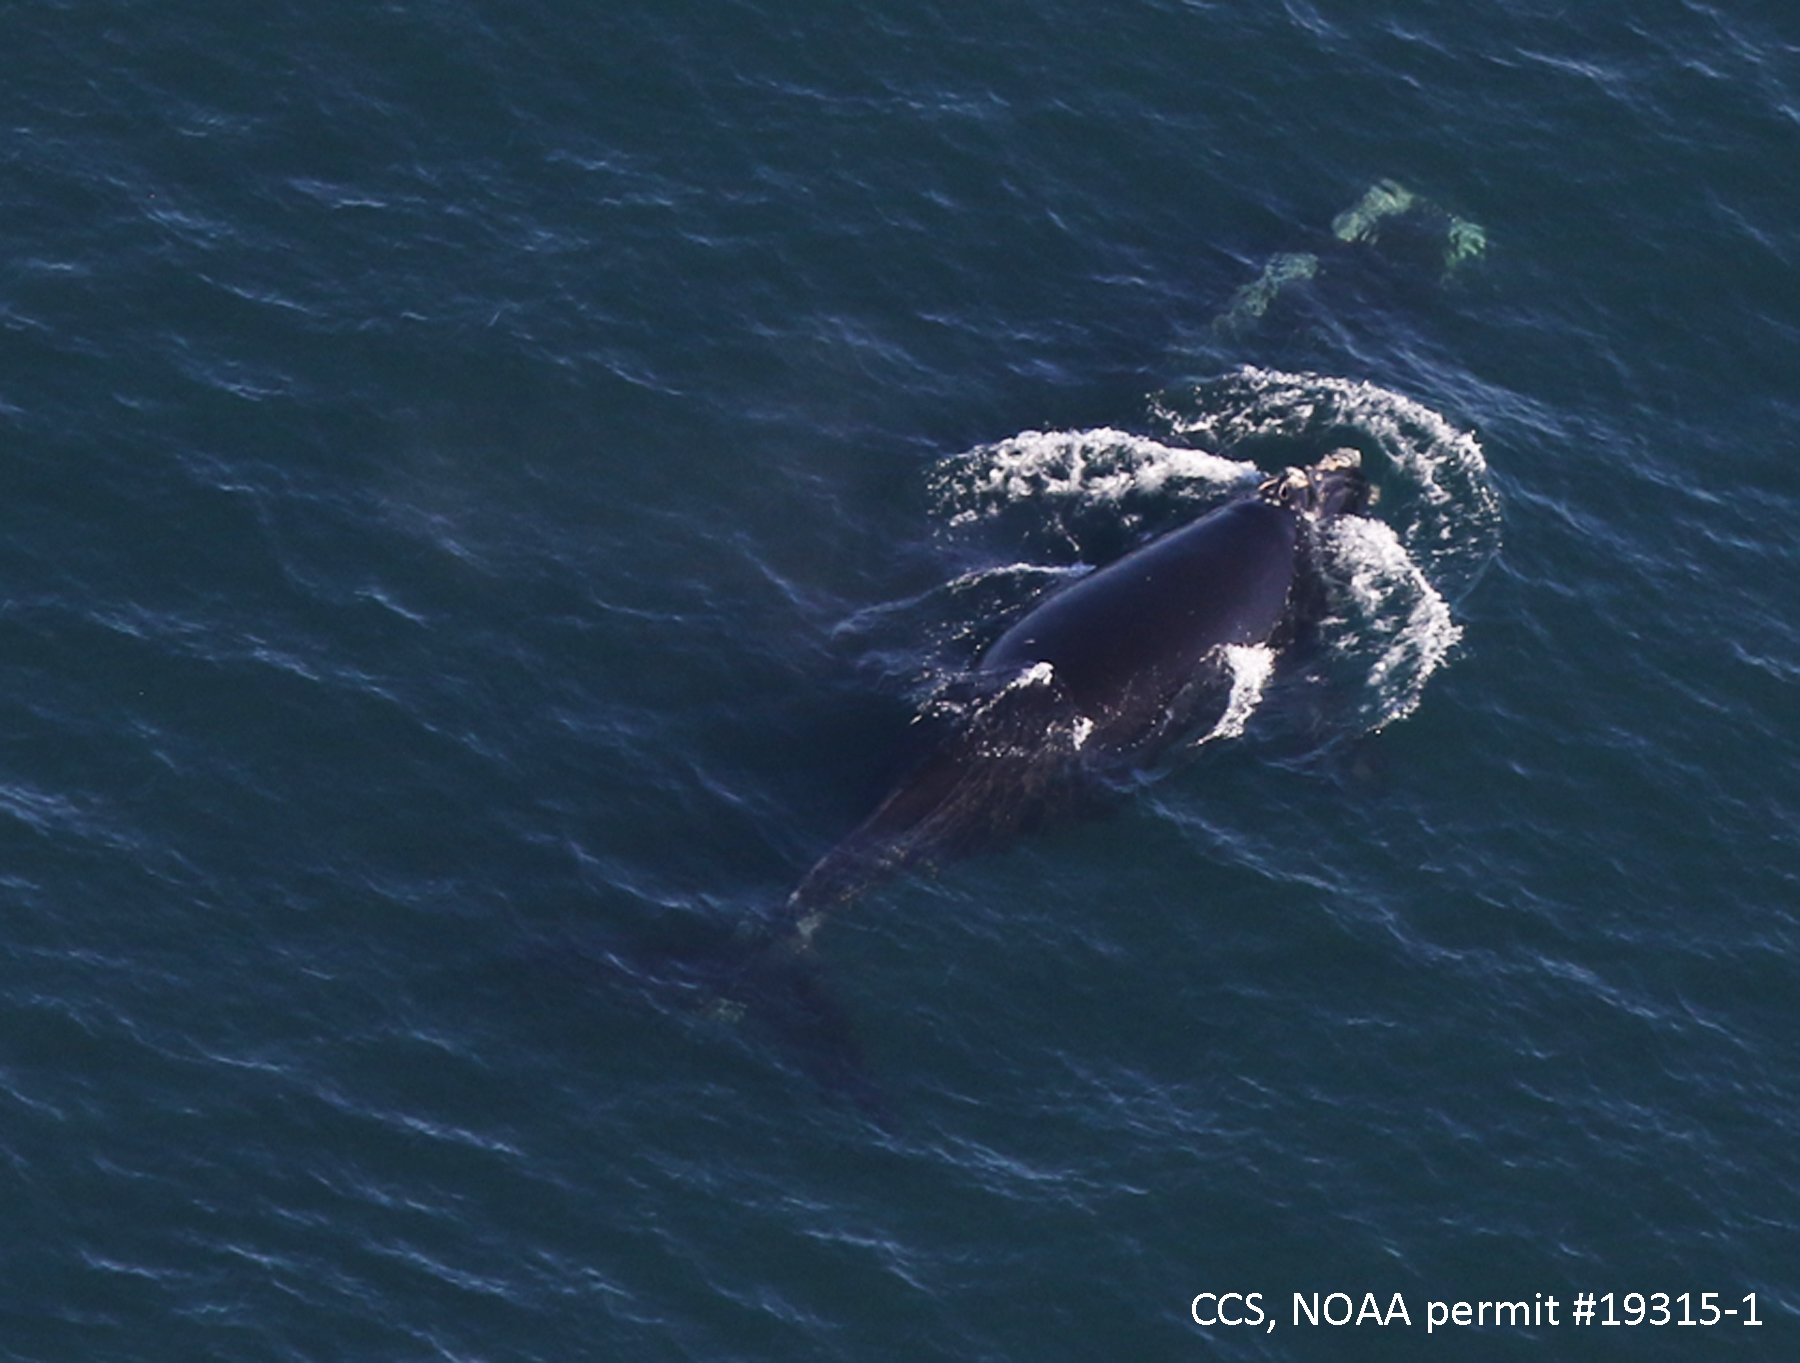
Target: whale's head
[{"x": 1335, "y": 486}]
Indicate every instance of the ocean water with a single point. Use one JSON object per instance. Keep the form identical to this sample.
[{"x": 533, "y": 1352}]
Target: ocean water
[{"x": 489, "y": 484}]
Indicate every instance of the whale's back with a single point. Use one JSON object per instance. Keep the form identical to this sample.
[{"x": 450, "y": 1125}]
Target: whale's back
[{"x": 1130, "y": 634}]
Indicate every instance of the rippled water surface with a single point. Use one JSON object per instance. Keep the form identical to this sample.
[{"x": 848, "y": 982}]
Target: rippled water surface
[{"x": 487, "y": 489}]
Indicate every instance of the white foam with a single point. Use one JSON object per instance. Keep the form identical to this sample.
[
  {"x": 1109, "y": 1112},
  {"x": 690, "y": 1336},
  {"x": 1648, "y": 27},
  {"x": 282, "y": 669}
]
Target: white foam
[
  {"x": 1435, "y": 489},
  {"x": 1038, "y": 674},
  {"x": 1393, "y": 625},
  {"x": 1084, "y": 467},
  {"x": 1250, "y": 666}
]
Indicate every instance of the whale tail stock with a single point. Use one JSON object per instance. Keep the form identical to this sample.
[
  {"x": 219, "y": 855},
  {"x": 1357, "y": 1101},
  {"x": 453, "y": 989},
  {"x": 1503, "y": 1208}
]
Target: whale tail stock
[
  {"x": 752, "y": 982},
  {"x": 782, "y": 987},
  {"x": 1003, "y": 760}
]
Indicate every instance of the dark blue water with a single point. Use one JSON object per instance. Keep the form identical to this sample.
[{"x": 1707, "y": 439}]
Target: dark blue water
[{"x": 487, "y": 484}]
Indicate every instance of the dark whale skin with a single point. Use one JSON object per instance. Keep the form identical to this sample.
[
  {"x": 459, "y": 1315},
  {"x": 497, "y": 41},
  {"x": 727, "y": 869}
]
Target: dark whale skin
[{"x": 1126, "y": 638}]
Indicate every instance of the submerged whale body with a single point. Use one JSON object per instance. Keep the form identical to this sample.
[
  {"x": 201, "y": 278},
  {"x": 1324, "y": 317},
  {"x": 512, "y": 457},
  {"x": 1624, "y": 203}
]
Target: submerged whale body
[{"x": 1100, "y": 678}]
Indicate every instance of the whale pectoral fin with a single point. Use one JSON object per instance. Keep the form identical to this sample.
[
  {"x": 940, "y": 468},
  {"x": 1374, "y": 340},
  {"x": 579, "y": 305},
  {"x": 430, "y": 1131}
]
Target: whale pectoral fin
[
  {"x": 1245, "y": 307},
  {"x": 1361, "y": 221}
]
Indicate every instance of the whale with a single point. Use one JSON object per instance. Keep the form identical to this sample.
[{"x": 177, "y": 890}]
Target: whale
[
  {"x": 1096, "y": 681},
  {"x": 1093, "y": 684}
]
